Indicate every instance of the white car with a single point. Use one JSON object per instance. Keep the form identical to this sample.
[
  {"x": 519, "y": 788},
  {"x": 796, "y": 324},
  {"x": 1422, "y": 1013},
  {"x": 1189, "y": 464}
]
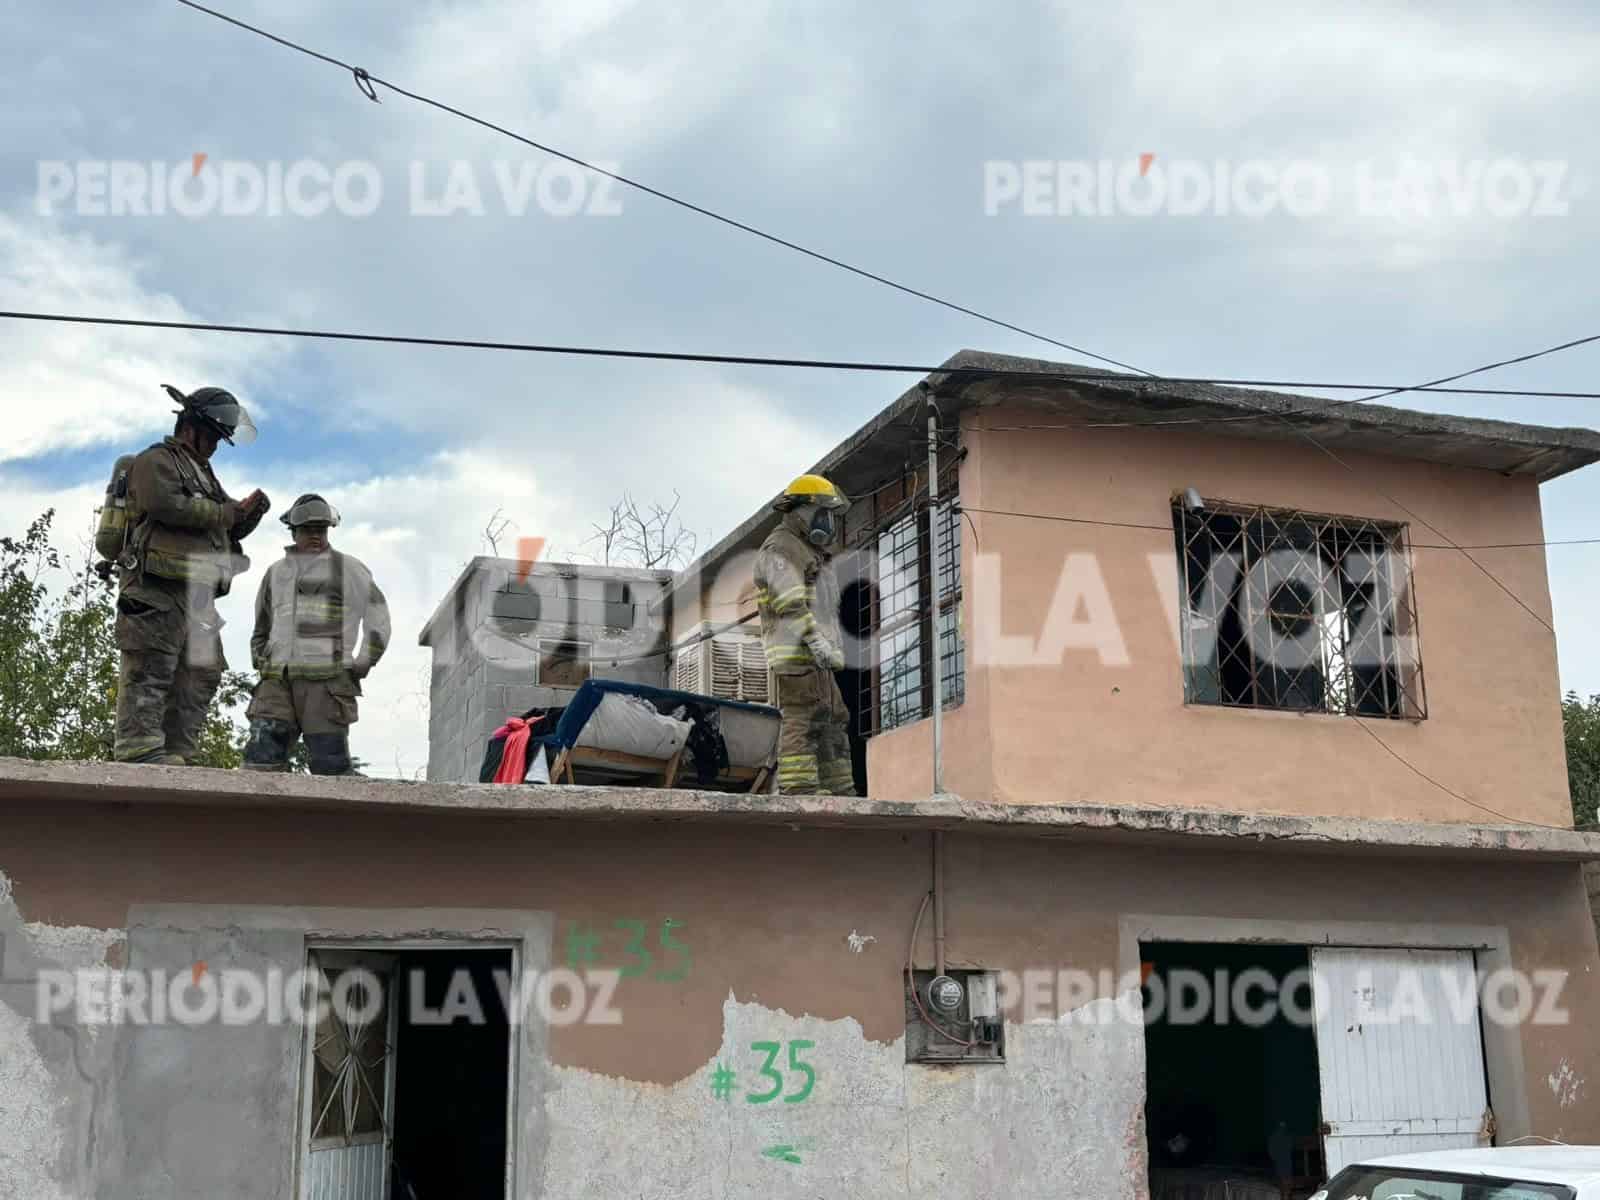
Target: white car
[{"x": 1503, "y": 1173}]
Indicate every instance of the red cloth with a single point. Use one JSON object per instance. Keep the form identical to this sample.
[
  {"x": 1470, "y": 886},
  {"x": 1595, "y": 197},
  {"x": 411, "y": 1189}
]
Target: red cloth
[{"x": 514, "y": 760}]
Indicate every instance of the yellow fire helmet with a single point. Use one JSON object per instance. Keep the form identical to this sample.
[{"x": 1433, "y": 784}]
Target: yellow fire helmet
[{"x": 812, "y": 489}]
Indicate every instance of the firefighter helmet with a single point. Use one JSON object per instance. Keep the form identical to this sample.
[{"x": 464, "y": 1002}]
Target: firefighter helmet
[
  {"x": 218, "y": 410},
  {"x": 812, "y": 489},
  {"x": 310, "y": 509}
]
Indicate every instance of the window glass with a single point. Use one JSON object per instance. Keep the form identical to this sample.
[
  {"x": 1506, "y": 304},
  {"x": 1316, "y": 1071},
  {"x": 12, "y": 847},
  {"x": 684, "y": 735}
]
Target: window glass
[
  {"x": 1298, "y": 611},
  {"x": 1381, "y": 1183},
  {"x": 563, "y": 664}
]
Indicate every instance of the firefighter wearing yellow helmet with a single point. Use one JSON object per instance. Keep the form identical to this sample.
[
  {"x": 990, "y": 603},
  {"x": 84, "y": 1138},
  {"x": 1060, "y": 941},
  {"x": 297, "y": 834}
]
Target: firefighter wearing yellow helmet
[{"x": 798, "y": 599}]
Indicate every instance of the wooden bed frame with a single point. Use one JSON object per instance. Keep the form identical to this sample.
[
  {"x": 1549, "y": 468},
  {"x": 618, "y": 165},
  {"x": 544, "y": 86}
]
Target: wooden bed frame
[{"x": 562, "y": 770}]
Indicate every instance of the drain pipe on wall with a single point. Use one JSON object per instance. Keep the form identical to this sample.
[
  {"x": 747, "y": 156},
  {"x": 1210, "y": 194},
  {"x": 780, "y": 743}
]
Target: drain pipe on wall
[
  {"x": 933, "y": 600},
  {"x": 937, "y": 671}
]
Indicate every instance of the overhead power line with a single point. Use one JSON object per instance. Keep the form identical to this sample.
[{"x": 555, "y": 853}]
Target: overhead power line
[
  {"x": 1326, "y": 406},
  {"x": 1167, "y": 529},
  {"x": 367, "y": 81},
  {"x": 676, "y": 357},
  {"x": 1449, "y": 791},
  {"x": 749, "y": 360}
]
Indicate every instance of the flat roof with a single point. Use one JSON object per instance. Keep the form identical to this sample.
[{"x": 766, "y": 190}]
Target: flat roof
[
  {"x": 99, "y": 783},
  {"x": 881, "y": 446}
]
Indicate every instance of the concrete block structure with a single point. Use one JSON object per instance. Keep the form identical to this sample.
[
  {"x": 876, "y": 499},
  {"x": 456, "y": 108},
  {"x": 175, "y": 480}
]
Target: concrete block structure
[{"x": 505, "y": 641}]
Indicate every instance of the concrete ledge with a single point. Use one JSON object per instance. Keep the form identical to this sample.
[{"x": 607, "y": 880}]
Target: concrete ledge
[{"x": 24, "y": 781}]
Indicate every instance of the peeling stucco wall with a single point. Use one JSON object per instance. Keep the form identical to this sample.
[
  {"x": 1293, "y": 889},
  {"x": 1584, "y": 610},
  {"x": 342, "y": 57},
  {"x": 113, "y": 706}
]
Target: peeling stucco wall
[
  {"x": 792, "y": 935},
  {"x": 51, "y": 1076},
  {"x": 1591, "y": 876},
  {"x": 872, "y": 1125}
]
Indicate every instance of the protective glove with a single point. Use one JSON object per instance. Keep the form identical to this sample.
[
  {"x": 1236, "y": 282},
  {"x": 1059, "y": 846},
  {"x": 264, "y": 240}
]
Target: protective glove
[
  {"x": 250, "y": 511},
  {"x": 824, "y": 652}
]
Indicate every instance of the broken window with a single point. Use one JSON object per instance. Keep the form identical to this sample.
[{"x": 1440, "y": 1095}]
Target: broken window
[
  {"x": 349, "y": 1063},
  {"x": 563, "y": 664},
  {"x": 1299, "y": 611}
]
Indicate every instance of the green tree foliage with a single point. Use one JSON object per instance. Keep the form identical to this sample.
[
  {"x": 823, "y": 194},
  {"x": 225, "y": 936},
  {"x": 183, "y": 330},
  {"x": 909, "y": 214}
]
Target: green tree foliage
[
  {"x": 1581, "y": 720},
  {"x": 59, "y": 662}
]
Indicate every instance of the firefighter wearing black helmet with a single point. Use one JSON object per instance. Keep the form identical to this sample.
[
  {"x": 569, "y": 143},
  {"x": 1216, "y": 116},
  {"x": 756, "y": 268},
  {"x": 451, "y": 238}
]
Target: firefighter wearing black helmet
[{"x": 183, "y": 549}]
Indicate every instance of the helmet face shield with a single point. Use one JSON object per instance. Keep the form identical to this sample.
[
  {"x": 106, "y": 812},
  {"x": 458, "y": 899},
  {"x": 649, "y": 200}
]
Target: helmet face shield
[
  {"x": 311, "y": 510},
  {"x": 232, "y": 420}
]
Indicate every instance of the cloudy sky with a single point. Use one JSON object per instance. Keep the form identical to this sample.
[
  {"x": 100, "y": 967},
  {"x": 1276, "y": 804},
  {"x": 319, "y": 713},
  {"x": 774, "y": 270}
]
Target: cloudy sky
[{"x": 857, "y": 129}]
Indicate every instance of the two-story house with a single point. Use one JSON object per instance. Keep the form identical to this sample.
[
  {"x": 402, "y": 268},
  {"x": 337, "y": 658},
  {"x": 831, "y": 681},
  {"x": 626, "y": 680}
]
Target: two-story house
[
  {"x": 1253, "y": 856},
  {"x": 1240, "y": 606}
]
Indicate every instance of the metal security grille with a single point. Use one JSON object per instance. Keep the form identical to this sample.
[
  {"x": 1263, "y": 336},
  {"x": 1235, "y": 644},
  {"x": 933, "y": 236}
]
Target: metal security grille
[
  {"x": 1300, "y": 611},
  {"x": 897, "y": 609}
]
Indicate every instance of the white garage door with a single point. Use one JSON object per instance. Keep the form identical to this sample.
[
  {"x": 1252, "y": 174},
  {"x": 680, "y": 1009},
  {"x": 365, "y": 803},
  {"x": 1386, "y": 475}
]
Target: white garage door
[{"x": 1400, "y": 1052}]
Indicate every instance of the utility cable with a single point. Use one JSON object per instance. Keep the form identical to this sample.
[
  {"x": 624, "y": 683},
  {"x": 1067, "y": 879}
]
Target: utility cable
[
  {"x": 366, "y": 81},
  {"x": 1421, "y": 774},
  {"x": 1281, "y": 417},
  {"x": 1000, "y": 512},
  {"x": 911, "y": 980},
  {"x": 687, "y": 643},
  {"x": 1426, "y": 524},
  {"x": 747, "y": 360},
  {"x": 1452, "y": 546},
  {"x": 1326, "y": 406},
  {"x": 658, "y": 355}
]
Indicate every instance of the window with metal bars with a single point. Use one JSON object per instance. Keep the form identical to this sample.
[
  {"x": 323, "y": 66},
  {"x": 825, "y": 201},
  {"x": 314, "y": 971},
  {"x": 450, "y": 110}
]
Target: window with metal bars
[
  {"x": 1298, "y": 611},
  {"x": 898, "y": 610}
]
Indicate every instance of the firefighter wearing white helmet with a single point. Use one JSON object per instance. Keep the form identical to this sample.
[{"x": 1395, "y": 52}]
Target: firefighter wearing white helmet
[
  {"x": 798, "y": 600},
  {"x": 321, "y": 625}
]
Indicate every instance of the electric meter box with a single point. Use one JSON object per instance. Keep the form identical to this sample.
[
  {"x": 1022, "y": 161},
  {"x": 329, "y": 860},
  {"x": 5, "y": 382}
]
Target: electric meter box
[
  {"x": 970, "y": 1032},
  {"x": 982, "y": 997}
]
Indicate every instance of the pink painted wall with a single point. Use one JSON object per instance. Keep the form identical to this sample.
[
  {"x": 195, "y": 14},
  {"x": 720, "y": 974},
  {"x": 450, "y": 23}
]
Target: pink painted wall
[{"x": 1082, "y": 728}]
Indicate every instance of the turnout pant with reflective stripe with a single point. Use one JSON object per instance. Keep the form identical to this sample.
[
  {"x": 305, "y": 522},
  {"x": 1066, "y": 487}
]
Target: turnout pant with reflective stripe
[
  {"x": 814, "y": 744},
  {"x": 172, "y": 666},
  {"x": 284, "y": 708}
]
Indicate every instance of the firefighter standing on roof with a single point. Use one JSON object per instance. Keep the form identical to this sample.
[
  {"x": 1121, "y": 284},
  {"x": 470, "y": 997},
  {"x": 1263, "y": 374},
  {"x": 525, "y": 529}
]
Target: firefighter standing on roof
[
  {"x": 181, "y": 551},
  {"x": 798, "y": 600},
  {"x": 322, "y": 624}
]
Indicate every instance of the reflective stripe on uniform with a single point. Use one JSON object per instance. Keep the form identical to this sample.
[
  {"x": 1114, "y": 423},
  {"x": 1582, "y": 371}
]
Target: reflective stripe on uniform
[
  {"x": 795, "y": 599},
  {"x": 185, "y": 568},
  {"x": 797, "y": 772},
  {"x": 788, "y": 655},
  {"x": 311, "y": 673}
]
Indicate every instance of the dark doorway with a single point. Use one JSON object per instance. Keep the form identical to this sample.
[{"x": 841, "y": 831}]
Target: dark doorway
[
  {"x": 855, "y": 618},
  {"x": 1231, "y": 1091},
  {"x": 451, "y": 1080}
]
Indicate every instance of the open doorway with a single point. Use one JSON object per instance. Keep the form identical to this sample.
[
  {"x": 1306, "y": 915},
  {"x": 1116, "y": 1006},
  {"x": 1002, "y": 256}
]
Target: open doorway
[
  {"x": 1231, "y": 1088},
  {"x": 408, "y": 1092}
]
